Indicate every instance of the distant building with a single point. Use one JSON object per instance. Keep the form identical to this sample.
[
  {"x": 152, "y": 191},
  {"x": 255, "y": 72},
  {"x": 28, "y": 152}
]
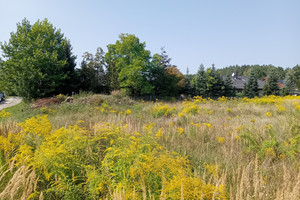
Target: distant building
[{"x": 238, "y": 82}]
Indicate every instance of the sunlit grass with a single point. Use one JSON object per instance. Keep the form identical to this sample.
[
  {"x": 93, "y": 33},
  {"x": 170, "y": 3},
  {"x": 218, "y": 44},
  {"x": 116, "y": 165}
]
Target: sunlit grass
[{"x": 236, "y": 148}]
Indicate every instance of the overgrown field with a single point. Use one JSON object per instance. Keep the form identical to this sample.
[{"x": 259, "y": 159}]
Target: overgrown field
[{"x": 111, "y": 147}]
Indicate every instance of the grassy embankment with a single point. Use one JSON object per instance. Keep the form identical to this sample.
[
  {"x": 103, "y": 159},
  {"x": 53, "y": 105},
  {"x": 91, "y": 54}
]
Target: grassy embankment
[{"x": 112, "y": 147}]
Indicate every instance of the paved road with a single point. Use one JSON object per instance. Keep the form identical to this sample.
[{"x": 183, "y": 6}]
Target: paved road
[{"x": 11, "y": 101}]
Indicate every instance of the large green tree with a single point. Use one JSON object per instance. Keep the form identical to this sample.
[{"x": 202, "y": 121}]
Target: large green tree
[
  {"x": 165, "y": 78},
  {"x": 38, "y": 61},
  {"x": 129, "y": 59}
]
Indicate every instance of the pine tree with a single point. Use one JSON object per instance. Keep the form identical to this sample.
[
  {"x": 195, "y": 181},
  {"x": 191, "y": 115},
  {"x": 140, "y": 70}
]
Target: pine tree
[
  {"x": 273, "y": 83},
  {"x": 200, "y": 81},
  {"x": 271, "y": 87},
  {"x": 229, "y": 89},
  {"x": 289, "y": 82},
  {"x": 246, "y": 90},
  {"x": 215, "y": 85},
  {"x": 252, "y": 86}
]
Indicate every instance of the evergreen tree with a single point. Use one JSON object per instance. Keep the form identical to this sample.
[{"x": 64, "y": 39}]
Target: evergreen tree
[
  {"x": 271, "y": 87},
  {"x": 229, "y": 90},
  {"x": 289, "y": 82},
  {"x": 252, "y": 86},
  {"x": 200, "y": 82},
  {"x": 189, "y": 89},
  {"x": 215, "y": 84},
  {"x": 246, "y": 90},
  {"x": 92, "y": 75},
  {"x": 266, "y": 90},
  {"x": 157, "y": 73}
]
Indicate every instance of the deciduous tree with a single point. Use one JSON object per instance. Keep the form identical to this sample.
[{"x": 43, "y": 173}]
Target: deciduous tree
[
  {"x": 38, "y": 61},
  {"x": 131, "y": 60}
]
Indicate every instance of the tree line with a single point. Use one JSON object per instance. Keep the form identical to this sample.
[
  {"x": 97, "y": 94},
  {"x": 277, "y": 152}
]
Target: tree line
[{"x": 38, "y": 62}]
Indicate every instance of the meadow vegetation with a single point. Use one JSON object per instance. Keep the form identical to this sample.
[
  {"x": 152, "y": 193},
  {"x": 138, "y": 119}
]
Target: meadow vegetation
[{"x": 112, "y": 147}]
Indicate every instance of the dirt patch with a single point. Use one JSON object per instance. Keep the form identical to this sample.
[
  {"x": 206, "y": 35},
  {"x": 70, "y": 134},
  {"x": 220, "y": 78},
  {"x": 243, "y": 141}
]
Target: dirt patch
[{"x": 44, "y": 102}]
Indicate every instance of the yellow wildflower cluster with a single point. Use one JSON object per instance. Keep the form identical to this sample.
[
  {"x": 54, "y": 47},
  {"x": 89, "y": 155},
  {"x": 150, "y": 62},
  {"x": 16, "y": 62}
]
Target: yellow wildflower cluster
[
  {"x": 280, "y": 108},
  {"x": 213, "y": 169},
  {"x": 159, "y": 110},
  {"x": 199, "y": 99},
  {"x": 190, "y": 108},
  {"x": 4, "y": 114},
  {"x": 297, "y": 105},
  {"x": 46, "y": 110},
  {"x": 61, "y": 97},
  {"x": 105, "y": 108},
  {"x": 229, "y": 110},
  {"x": 269, "y": 114},
  {"x": 39, "y": 125},
  {"x": 269, "y": 152},
  {"x": 272, "y": 99},
  {"x": 221, "y": 140},
  {"x": 180, "y": 131},
  {"x": 128, "y": 112},
  {"x": 222, "y": 99},
  {"x": 128, "y": 162}
]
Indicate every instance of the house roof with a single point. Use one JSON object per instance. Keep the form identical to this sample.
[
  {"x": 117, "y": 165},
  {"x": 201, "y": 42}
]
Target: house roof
[{"x": 239, "y": 81}]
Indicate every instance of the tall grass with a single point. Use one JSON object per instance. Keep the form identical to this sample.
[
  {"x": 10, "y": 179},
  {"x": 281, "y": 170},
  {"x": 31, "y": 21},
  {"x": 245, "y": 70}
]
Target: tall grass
[{"x": 125, "y": 149}]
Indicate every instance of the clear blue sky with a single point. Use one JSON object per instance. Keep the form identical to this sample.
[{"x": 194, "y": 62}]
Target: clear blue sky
[{"x": 223, "y": 32}]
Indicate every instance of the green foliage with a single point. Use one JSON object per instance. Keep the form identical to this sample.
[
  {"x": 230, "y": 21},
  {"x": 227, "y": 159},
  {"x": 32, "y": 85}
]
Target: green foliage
[
  {"x": 174, "y": 81},
  {"x": 292, "y": 79},
  {"x": 251, "y": 87},
  {"x": 105, "y": 162},
  {"x": 158, "y": 75},
  {"x": 200, "y": 82},
  {"x": 271, "y": 147},
  {"x": 38, "y": 61},
  {"x": 260, "y": 71},
  {"x": 215, "y": 86},
  {"x": 229, "y": 90},
  {"x": 92, "y": 76},
  {"x": 271, "y": 87},
  {"x": 129, "y": 58}
]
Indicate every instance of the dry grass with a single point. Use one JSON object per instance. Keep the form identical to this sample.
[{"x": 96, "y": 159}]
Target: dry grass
[
  {"x": 21, "y": 185},
  {"x": 239, "y": 145}
]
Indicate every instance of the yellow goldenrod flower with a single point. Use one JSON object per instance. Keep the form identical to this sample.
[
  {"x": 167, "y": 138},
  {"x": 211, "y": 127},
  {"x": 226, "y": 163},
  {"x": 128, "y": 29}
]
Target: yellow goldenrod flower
[
  {"x": 208, "y": 125},
  {"x": 179, "y": 131},
  {"x": 128, "y": 112},
  {"x": 269, "y": 114},
  {"x": 221, "y": 140},
  {"x": 270, "y": 152}
]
